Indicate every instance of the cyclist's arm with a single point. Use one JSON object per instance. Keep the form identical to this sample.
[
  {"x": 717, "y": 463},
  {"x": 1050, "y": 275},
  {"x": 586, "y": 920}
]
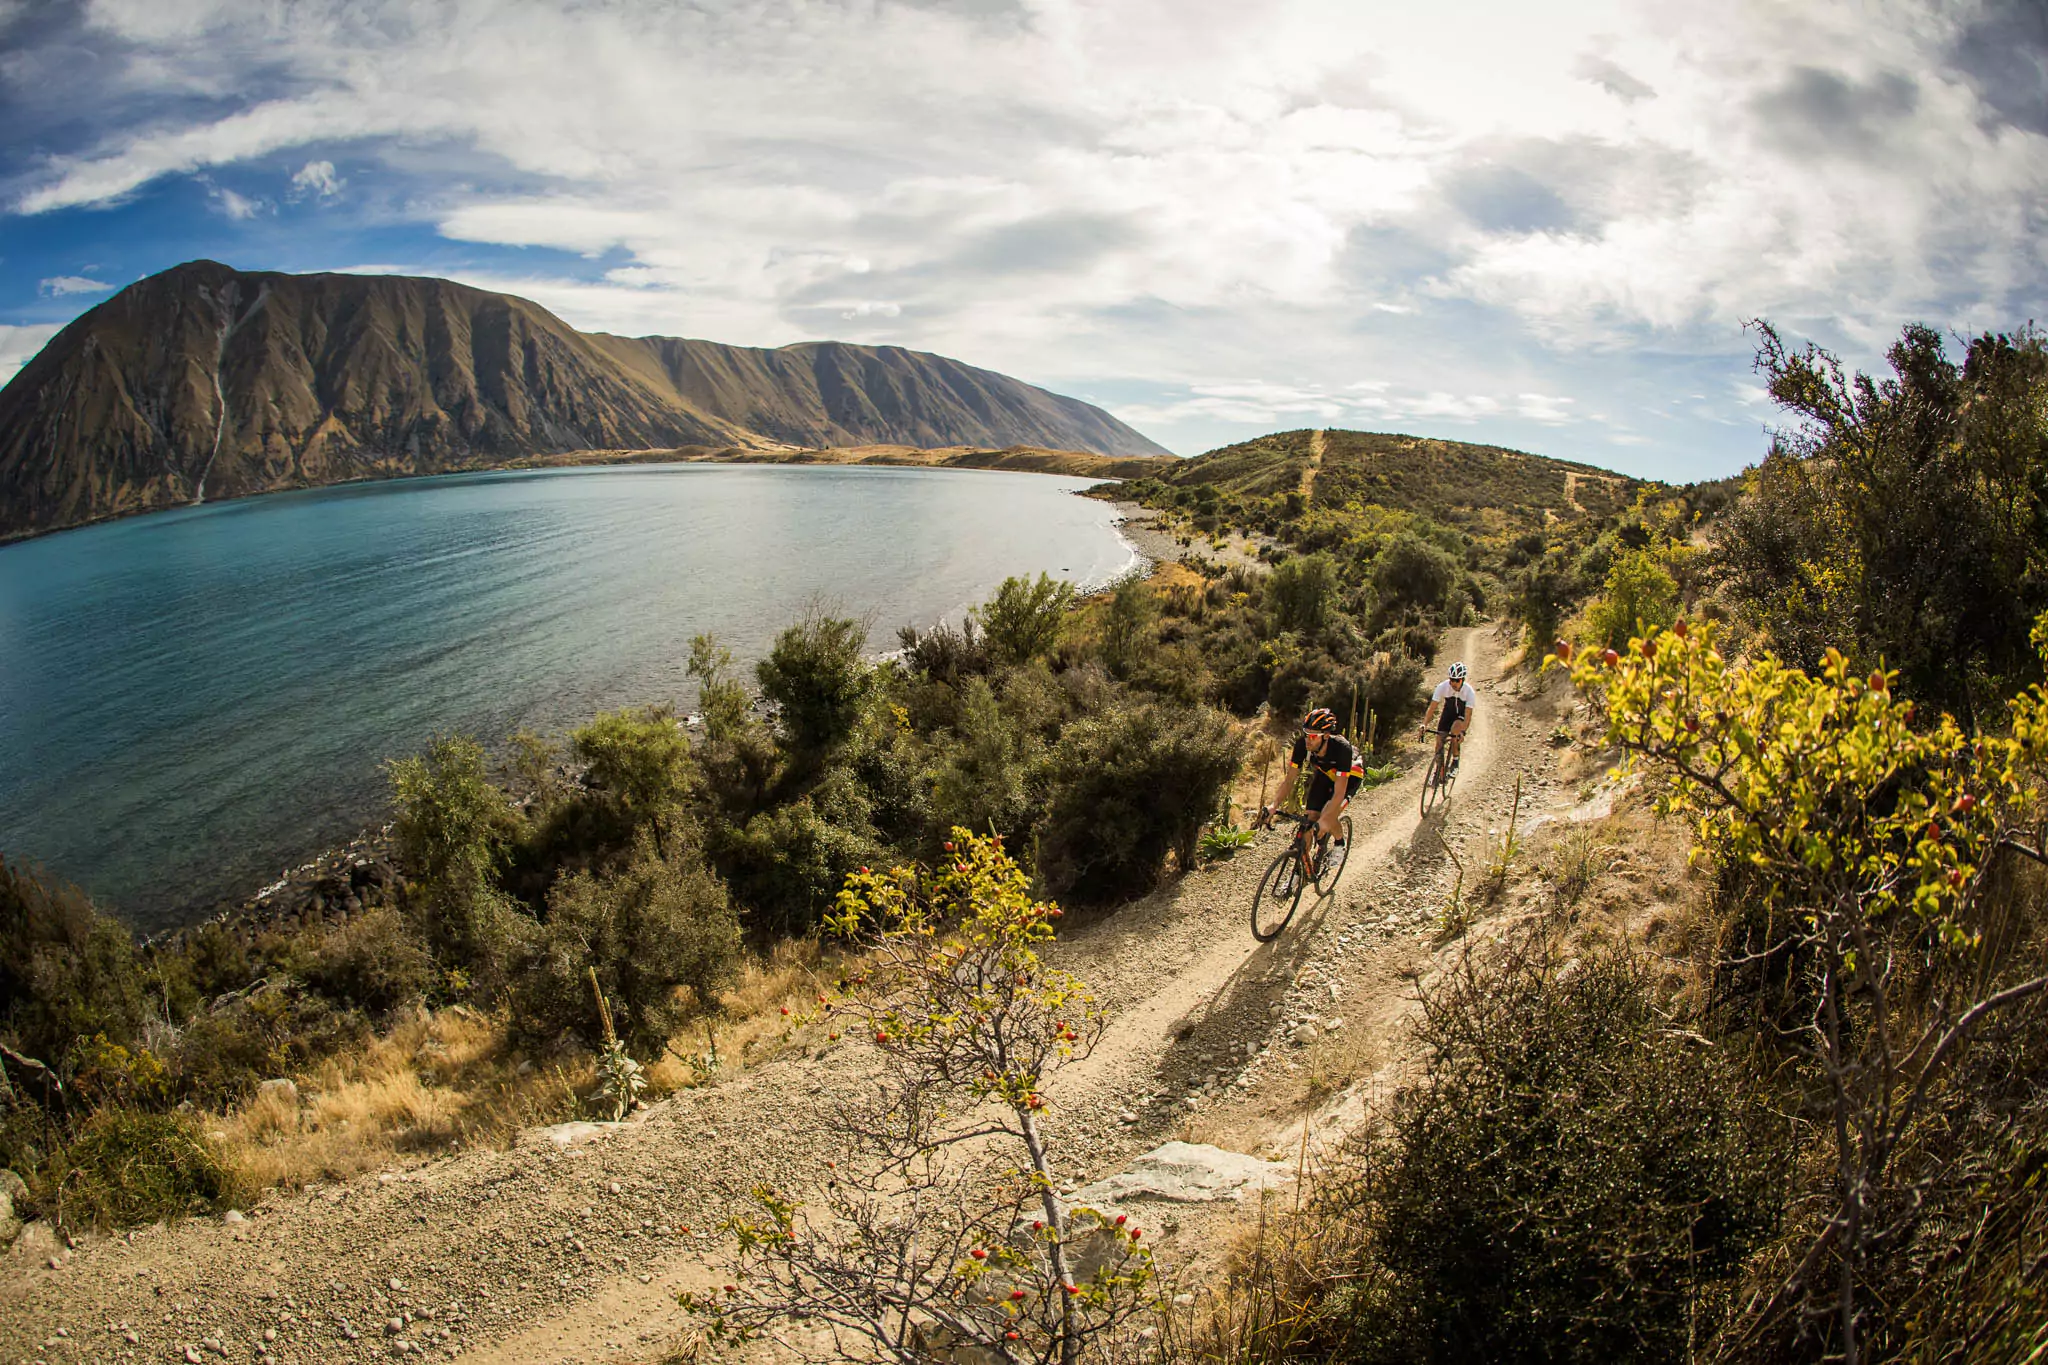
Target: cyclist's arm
[{"x": 1430, "y": 714}]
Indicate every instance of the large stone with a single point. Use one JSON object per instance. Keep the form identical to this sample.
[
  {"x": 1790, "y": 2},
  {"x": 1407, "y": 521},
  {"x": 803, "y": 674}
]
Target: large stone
[
  {"x": 1184, "y": 1173},
  {"x": 13, "y": 1186},
  {"x": 10, "y": 1223}
]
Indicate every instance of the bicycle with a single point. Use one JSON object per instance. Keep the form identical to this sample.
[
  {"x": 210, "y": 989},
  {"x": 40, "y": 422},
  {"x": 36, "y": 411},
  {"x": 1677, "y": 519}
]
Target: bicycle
[
  {"x": 1303, "y": 863},
  {"x": 1438, "y": 780}
]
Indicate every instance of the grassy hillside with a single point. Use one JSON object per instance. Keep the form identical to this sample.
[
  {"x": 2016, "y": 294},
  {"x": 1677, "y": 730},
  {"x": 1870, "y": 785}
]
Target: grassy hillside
[{"x": 1479, "y": 486}]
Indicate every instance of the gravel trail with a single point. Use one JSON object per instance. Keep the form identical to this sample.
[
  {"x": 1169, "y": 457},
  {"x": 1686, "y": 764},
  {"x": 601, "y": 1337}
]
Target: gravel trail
[{"x": 540, "y": 1253}]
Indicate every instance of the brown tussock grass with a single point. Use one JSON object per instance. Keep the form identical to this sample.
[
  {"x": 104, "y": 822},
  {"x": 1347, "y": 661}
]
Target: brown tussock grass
[
  {"x": 435, "y": 1082},
  {"x": 444, "y": 1081}
]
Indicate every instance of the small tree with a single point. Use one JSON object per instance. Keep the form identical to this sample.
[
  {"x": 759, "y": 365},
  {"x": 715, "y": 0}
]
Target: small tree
[
  {"x": 816, "y": 674},
  {"x": 1413, "y": 573},
  {"x": 1302, "y": 593},
  {"x": 640, "y": 762},
  {"x": 719, "y": 695},
  {"x": 1639, "y": 593},
  {"x": 1873, "y": 844},
  {"x": 943, "y": 1237},
  {"x": 451, "y": 832},
  {"x": 1127, "y": 626},
  {"x": 1022, "y": 621}
]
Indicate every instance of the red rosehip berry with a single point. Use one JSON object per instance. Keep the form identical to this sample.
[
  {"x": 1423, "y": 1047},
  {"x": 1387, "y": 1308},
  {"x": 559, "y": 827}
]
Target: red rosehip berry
[
  {"x": 1877, "y": 681},
  {"x": 978, "y": 1254},
  {"x": 1692, "y": 724},
  {"x": 1122, "y": 1218},
  {"x": 1010, "y": 1335},
  {"x": 949, "y": 845},
  {"x": 1038, "y": 1225},
  {"x": 1679, "y": 629},
  {"x": 1649, "y": 648},
  {"x": 1136, "y": 1233},
  {"x": 1016, "y": 1296},
  {"x": 1965, "y": 804},
  {"x": 785, "y": 1009},
  {"x": 1956, "y": 877},
  {"x": 881, "y": 1037},
  {"x": 1610, "y": 658}
]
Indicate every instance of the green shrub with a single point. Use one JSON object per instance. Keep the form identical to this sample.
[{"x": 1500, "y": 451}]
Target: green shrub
[
  {"x": 720, "y": 697},
  {"x": 223, "y": 1053},
  {"x": 1302, "y": 593},
  {"x": 452, "y": 830},
  {"x": 66, "y": 971},
  {"x": 944, "y": 653},
  {"x": 660, "y": 924},
  {"x": 372, "y": 961},
  {"x": 1127, "y": 626},
  {"x": 1570, "y": 1180},
  {"x": 1412, "y": 572},
  {"x": 1639, "y": 594},
  {"x": 639, "y": 764},
  {"x": 127, "y": 1166},
  {"x": 786, "y": 865},
  {"x": 1124, "y": 790},
  {"x": 979, "y": 784},
  {"x": 1023, "y": 619},
  {"x": 816, "y": 675}
]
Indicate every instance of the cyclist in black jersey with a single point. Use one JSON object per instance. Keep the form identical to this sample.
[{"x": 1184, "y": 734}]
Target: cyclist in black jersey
[{"x": 1334, "y": 767}]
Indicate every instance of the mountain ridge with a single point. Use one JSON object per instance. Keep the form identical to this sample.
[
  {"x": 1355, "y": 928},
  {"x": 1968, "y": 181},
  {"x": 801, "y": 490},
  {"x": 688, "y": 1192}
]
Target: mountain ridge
[{"x": 203, "y": 381}]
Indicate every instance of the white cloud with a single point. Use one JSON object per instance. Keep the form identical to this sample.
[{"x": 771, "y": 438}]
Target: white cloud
[
  {"x": 318, "y": 178},
  {"x": 59, "y": 286},
  {"x": 239, "y": 207},
  {"x": 1472, "y": 202},
  {"x": 18, "y": 346}
]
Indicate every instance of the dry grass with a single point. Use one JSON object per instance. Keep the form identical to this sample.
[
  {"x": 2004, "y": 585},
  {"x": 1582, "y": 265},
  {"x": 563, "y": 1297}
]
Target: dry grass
[
  {"x": 437, "y": 1082},
  {"x": 1276, "y": 1280},
  {"x": 440, "y": 1082}
]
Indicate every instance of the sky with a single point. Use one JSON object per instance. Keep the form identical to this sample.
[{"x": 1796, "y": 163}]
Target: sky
[{"x": 1537, "y": 225}]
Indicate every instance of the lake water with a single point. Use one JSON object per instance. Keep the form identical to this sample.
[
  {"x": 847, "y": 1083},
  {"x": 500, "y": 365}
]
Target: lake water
[{"x": 192, "y": 700}]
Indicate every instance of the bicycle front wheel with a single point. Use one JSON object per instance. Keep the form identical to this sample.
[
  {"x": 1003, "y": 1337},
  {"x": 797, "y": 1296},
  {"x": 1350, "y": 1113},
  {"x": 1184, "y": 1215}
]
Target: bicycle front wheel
[
  {"x": 1279, "y": 892},
  {"x": 1332, "y": 865},
  {"x": 1432, "y": 777}
]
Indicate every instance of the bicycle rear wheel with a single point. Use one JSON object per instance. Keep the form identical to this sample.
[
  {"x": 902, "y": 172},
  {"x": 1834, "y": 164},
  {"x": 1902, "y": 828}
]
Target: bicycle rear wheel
[
  {"x": 1330, "y": 866},
  {"x": 1279, "y": 892}
]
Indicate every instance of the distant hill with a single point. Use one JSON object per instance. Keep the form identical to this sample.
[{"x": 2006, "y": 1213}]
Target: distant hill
[
  {"x": 208, "y": 382},
  {"x": 1484, "y": 487}
]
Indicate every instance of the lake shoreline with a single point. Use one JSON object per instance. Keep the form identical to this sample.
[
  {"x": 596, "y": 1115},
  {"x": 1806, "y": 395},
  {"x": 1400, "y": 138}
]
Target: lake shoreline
[{"x": 1009, "y": 459}]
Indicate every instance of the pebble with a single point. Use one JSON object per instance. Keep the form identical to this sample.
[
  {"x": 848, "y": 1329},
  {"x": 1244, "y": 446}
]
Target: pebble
[{"x": 234, "y": 1216}]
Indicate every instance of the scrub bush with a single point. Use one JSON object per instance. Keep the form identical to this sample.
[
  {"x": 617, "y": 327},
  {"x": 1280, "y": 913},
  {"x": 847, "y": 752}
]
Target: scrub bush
[
  {"x": 66, "y": 971},
  {"x": 1572, "y": 1179},
  {"x": 1124, "y": 790},
  {"x": 126, "y": 1166},
  {"x": 660, "y": 924},
  {"x": 816, "y": 675}
]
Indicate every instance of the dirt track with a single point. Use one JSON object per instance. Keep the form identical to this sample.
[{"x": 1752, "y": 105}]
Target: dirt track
[{"x": 541, "y": 1254}]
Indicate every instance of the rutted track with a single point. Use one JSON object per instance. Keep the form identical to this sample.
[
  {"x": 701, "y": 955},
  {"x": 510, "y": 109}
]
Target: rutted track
[{"x": 537, "y": 1254}]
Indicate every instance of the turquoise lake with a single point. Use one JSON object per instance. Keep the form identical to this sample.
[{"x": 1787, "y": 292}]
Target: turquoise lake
[{"x": 192, "y": 701}]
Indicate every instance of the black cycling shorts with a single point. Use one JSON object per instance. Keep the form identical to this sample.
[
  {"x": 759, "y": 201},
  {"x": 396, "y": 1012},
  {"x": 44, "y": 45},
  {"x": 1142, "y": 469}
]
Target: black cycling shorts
[
  {"x": 1320, "y": 787},
  {"x": 1454, "y": 710}
]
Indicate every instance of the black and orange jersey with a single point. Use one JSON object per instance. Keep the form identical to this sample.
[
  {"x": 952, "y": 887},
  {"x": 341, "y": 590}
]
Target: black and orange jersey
[{"x": 1339, "y": 761}]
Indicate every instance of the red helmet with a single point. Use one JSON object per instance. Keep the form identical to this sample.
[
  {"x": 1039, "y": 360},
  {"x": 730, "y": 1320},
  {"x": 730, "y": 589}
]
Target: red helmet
[{"x": 1322, "y": 720}]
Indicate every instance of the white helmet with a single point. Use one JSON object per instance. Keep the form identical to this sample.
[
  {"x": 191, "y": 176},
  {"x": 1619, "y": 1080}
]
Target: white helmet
[{"x": 1457, "y": 672}]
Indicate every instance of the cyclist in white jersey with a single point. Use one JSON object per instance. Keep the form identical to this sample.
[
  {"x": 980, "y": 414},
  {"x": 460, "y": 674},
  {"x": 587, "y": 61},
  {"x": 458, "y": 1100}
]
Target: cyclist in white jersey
[{"x": 1451, "y": 708}]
